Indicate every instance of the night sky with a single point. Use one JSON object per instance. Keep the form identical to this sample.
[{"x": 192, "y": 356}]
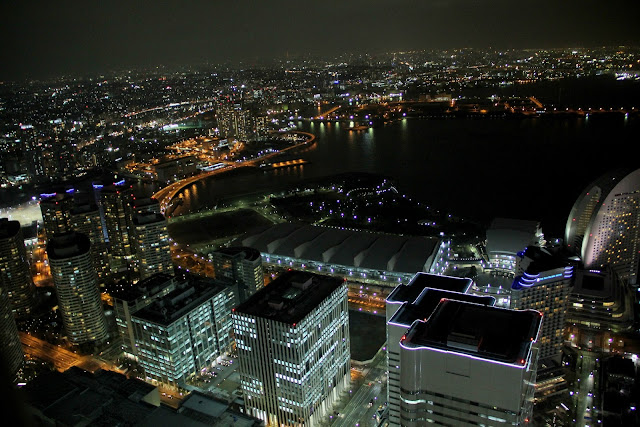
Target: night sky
[{"x": 49, "y": 38}]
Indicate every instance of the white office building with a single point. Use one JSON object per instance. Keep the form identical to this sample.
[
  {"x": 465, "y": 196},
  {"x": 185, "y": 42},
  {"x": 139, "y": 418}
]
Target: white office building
[
  {"x": 411, "y": 302},
  {"x": 469, "y": 364},
  {"x": 293, "y": 348},
  {"x": 183, "y": 332}
]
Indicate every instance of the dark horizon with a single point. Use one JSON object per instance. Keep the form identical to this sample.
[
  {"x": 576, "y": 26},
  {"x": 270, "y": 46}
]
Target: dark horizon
[{"x": 46, "y": 40}]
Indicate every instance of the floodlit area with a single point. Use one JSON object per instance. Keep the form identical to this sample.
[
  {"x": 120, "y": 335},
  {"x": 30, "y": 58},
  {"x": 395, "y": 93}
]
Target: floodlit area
[{"x": 25, "y": 213}]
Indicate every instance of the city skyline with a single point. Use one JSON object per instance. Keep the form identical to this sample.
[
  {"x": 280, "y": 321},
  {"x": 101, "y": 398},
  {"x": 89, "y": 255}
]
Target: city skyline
[{"x": 44, "y": 40}]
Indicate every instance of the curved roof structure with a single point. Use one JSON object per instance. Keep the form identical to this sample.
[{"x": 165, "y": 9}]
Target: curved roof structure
[
  {"x": 604, "y": 223},
  {"x": 68, "y": 245},
  {"x": 375, "y": 251}
]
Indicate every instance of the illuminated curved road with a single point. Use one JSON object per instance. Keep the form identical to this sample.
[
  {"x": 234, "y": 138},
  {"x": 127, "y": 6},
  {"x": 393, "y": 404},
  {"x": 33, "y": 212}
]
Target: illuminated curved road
[{"x": 166, "y": 195}]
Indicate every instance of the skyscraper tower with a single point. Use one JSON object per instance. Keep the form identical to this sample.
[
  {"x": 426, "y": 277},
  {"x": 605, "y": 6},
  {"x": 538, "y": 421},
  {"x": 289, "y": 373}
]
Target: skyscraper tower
[
  {"x": 240, "y": 266},
  {"x": 292, "y": 339},
  {"x": 11, "y": 355},
  {"x": 32, "y": 153},
  {"x": 85, "y": 219},
  {"x": 604, "y": 224},
  {"x": 56, "y": 212},
  {"x": 76, "y": 283},
  {"x": 152, "y": 247},
  {"x": 117, "y": 202},
  {"x": 14, "y": 268}
]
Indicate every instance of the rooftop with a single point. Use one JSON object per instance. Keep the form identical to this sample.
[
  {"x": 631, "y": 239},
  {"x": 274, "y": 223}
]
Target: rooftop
[
  {"x": 8, "y": 229},
  {"x": 249, "y": 254},
  {"x": 421, "y": 281},
  {"x": 84, "y": 208},
  {"x": 68, "y": 245},
  {"x": 290, "y": 297},
  {"x": 427, "y": 302},
  {"x": 543, "y": 260},
  {"x": 376, "y": 251},
  {"x": 147, "y": 218},
  {"x": 149, "y": 286},
  {"x": 485, "y": 332},
  {"x": 145, "y": 201},
  {"x": 186, "y": 297}
]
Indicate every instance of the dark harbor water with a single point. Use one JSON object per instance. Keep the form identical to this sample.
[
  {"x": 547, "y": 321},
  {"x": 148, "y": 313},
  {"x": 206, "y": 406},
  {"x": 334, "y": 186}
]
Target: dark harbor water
[{"x": 531, "y": 168}]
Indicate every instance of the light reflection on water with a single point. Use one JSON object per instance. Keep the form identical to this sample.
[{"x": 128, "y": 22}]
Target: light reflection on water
[{"x": 517, "y": 167}]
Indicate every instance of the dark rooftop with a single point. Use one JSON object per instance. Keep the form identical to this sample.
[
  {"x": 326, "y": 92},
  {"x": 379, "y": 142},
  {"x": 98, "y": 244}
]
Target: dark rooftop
[
  {"x": 67, "y": 245},
  {"x": 290, "y": 297},
  {"x": 486, "y": 332},
  {"x": 147, "y": 218},
  {"x": 250, "y": 254},
  {"x": 177, "y": 303},
  {"x": 593, "y": 282},
  {"x": 543, "y": 260},
  {"x": 84, "y": 208},
  {"x": 8, "y": 229},
  {"x": 76, "y": 396},
  {"x": 429, "y": 300},
  {"x": 148, "y": 286},
  {"x": 421, "y": 281},
  {"x": 145, "y": 201}
]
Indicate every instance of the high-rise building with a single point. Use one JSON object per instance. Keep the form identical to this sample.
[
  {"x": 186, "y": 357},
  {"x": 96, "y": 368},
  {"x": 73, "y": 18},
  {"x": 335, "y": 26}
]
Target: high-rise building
[
  {"x": 183, "y": 332},
  {"x": 32, "y": 153},
  {"x": 233, "y": 121},
  {"x": 292, "y": 339},
  {"x": 56, "y": 212},
  {"x": 410, "y": 302},
  {"x": 117, "y": 202},
  {"x": 152, "y": 247},
  {"x": 85, "y": 219},
  {"x": 11, "y": 355},
  {"x": 604, "y": 224},
  {"x": 544, "y": 285},
  {"x": 241, "y": 266},
  {"x": 469, "y": 364},
  {"x": 14, "y": 269},
  {"x": 127, "y": 299},
  {"x": 76, "y": 283}
]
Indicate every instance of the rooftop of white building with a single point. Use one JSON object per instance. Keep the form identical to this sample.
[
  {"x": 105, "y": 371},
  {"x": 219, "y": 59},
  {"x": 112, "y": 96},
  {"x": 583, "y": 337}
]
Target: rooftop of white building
[
  {"x": 480, "y": 331},
  {"x": 290, "y": 297}
]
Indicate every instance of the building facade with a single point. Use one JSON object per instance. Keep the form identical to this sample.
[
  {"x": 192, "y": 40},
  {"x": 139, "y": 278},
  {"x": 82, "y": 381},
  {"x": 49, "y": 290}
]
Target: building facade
[
  {"x": 240, "y": 266},
  {"x": 292, "y": 340},
  {"x": 544, "y": 285},
  {"x": 117, "y": 203},
  {"x": 85, "y": 219},
  {"x": 152, "y": 246},
  {"x": 175, "y": 336},
  {"x": 11, "y": 355},
  {"x": 14, "y": 269},
  {"x": 131, "y": 298},
  {"x": 76, "y": 283},
  {"x": 604, "y": 224},
  {"x": 56, "y": 212}
]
